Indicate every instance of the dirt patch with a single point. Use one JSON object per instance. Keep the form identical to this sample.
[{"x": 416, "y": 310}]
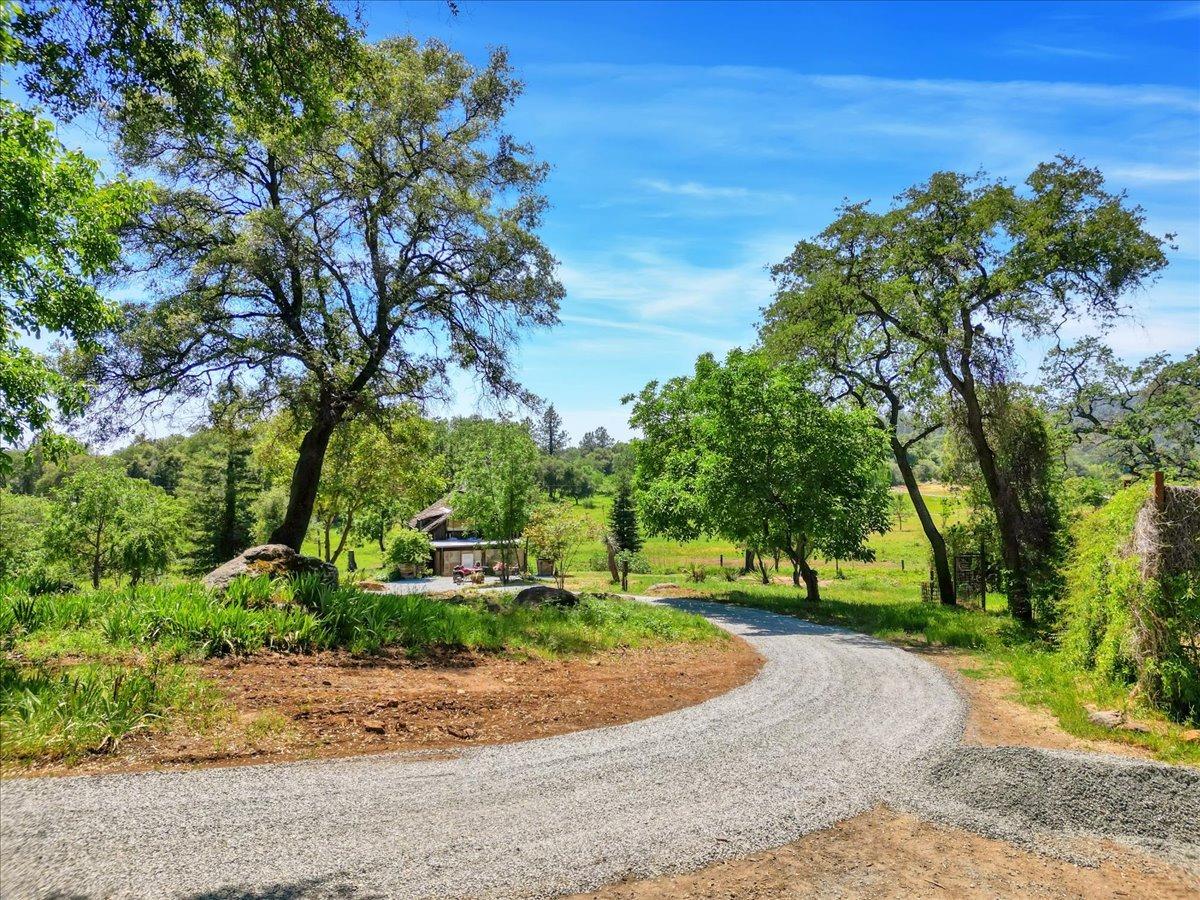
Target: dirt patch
[
  {"x": 286, "y": 707},
  {"x": 883, "y": 853},
  {"x": 996, "y": 720},
  {"x": 680, "y": 593}
]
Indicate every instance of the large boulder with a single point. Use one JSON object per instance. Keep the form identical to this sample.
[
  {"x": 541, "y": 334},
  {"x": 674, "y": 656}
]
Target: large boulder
[
  {"x": 541, "y": 594},
  {"x": 274, "y": 560}
]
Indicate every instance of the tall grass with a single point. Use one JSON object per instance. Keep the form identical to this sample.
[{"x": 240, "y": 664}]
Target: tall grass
[
  {"x": 87, "y": 708},
  {"x": 305, "y": 615}
]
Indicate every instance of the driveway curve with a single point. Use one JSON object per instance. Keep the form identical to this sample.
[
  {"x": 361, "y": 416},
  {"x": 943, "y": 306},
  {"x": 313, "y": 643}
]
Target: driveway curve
[{"x": 833, "y": 723}]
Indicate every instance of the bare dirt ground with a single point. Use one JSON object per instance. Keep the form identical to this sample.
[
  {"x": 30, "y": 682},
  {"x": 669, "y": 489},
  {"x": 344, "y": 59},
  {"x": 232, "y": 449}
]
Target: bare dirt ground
[
  {"x": 285, "y": 707},
  {"x": 997, "y": 720},
  {"x": 883, "y": 853}
]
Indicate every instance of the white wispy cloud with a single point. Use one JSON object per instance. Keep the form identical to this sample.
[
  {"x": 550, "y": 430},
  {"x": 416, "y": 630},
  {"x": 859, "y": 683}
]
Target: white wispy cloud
[
  {"x": 1175, "y": 11},
  {"x": 701, "y": 81},
  {"x": 695, "y": 189},
  {"x": 1034, "y": 48},
  {"x": 1149, "y": 173},
  {"x": 1026, "y": 91},
  {"x": 653, "y": 284},
  {"x": 644, "y": 328}
]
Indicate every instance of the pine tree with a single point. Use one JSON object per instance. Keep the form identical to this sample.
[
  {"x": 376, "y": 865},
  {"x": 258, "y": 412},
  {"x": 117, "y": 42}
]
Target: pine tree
[
  {"x": 622, "y": 521},
  {"x": 548, "y": 432},
  {"x": 219, "y": 488},
  {"x": 219, "y": 484}
]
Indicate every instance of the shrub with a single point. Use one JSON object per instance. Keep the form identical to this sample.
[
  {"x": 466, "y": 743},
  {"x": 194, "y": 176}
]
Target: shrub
[
  {"x": 697, "y": 572},
  {"x": 410, "y": 548}
]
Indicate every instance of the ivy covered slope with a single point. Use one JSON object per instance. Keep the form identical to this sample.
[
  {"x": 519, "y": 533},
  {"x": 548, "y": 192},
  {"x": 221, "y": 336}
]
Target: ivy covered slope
[{"x": 1132, "y": 608}]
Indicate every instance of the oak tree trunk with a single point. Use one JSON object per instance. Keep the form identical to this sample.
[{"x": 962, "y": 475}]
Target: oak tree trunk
[
  {"x": 1008, "y": 512},
  {"x": 937, "y": 543},
  {"x": 306, "y": 478},
  {"x": 812, "y": 590}
]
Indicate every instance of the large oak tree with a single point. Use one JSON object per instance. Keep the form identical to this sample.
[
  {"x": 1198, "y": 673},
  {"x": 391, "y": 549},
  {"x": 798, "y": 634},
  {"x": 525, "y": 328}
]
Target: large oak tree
[
  {"x": 868, "y": 362},
  {"x": 340, "y": 266},
  {"x": 960, "y": 268}
]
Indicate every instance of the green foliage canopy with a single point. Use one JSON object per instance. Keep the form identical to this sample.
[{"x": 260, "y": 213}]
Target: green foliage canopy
[
  {"x": 959, "y": 268},
  {"x": 744, "y": 450},
  {"x": 497, "y": 488},
  {"x": 1144, "y": 417},
  {"x": 60, "y": 235},
  {"x": 344, "y": 267},
  {"x": 103, "y": 522},
  {"x": 557, "y": 532}
]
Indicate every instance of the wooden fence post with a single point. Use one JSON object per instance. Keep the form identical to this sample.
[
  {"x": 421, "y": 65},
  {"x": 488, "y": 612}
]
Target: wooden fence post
[{"x": 1160, "y": 490}]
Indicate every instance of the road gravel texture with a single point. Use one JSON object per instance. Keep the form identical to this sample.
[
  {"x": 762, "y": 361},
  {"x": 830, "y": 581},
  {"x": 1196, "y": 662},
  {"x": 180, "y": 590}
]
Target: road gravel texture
[{"x": 834, "y": 723}]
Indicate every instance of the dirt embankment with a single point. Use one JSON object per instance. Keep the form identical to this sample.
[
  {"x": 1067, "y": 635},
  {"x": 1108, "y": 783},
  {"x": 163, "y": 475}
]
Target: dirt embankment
[
  {"x": 996, "y": 719},
  {"x": 287, "y": 707}
]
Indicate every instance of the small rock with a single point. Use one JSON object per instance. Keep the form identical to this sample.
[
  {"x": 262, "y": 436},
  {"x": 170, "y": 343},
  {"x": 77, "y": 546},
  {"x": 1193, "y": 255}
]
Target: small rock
[
  {"x": 1130, "y": 725},
  {"x": 462, "y": 732},
  {"x": 664, "y": 586},
  {"x": 1106, "y": 718},
  {"x": 1192, "y": 736},
  {"x": 374, "y": 726}
]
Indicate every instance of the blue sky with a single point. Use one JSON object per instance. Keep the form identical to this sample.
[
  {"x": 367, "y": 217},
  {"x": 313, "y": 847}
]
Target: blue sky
[{"x": 693, "y": 144}]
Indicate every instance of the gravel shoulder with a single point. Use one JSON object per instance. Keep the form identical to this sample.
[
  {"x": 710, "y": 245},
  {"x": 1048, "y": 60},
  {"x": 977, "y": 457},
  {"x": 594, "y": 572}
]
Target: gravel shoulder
[
  {"x": 834, "y": 723},
  {"x": 888, "y": 854}
]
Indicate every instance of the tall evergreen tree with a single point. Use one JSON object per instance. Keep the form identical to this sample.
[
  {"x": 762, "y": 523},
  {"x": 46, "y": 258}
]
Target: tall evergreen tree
[
  {"x": 219, "y": 486},
  {"x": 622, "y": 521},
  {"x": 548, "y": 432}
]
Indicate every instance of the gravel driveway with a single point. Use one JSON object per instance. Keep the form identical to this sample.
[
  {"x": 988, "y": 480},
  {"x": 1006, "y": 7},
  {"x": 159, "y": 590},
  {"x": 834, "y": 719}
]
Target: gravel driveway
[{"x": 834, "y": 723}]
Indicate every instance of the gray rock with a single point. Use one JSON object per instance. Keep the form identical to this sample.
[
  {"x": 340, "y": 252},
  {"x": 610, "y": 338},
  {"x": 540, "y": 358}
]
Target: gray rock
[
  {"x": 274, "y": 560},
  {"x": 541, "y": 594},
  {"x": 664, "y": 586},
  {"x": 1106, "y": 718}
]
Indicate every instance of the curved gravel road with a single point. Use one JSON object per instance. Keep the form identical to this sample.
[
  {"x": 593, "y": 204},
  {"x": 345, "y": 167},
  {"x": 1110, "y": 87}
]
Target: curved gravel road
[{"x": 834, "y": 723}]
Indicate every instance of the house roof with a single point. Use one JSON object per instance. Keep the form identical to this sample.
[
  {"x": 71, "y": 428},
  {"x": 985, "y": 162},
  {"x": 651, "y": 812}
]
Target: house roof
[
  {"x": 433, "y": 515},
  {"x": 467, "y": 544}
]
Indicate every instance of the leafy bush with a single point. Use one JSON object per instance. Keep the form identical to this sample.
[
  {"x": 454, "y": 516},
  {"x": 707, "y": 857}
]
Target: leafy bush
[
  {"x": 409, "y": 548},
  {"x": 22, "y": 518},
  {"x": 697, "y": 572}
]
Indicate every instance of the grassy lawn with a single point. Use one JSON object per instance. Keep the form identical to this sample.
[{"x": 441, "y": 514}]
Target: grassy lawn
[
  {"x": 882, "y": 598},
  {"x": 80, "y": 671}
]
